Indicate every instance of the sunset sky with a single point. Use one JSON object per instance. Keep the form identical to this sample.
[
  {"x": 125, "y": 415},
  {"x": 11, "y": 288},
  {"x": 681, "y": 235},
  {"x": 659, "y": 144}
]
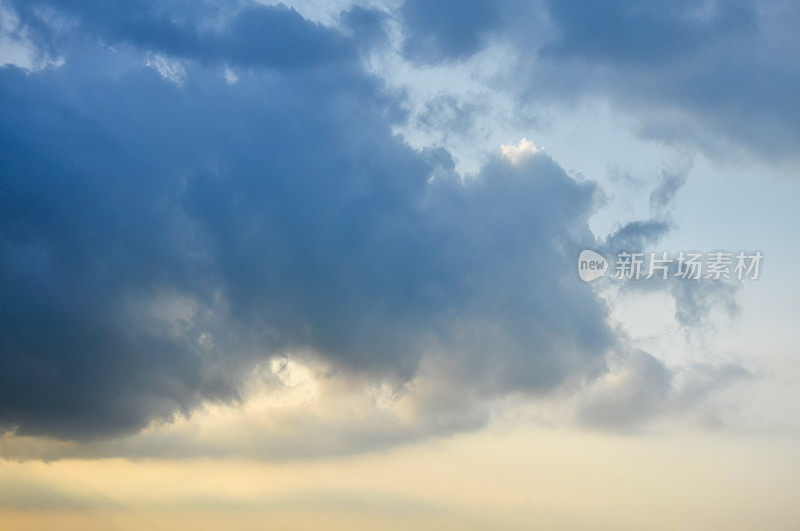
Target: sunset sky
[{"x": 314, "y": 264}]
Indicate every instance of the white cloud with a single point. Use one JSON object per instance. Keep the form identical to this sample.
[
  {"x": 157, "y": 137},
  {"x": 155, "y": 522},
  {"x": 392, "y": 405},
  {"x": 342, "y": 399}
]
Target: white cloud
[
  {"x": 16, "y": 47},
  {"x": 170, "y": 69},
  {"x": 524, "y": 149},
  {"x": 230, "y": 76}
]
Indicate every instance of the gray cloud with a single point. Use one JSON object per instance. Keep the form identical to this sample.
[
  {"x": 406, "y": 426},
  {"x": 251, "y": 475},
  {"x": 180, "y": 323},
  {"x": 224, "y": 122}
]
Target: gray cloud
[
  {"x": 710, "y": 75},
  {"x": 243, "y": 34},
  {"x": 664, "y": 194},
  {"x": 446, "y": 115},
  {"x": 159, "y": 240},
  {"x": 639, "y": 390},
  {"x": 446, "y": 31},
  {"x": 697, "y": 302},
  {"x": 635, "y": 236}
]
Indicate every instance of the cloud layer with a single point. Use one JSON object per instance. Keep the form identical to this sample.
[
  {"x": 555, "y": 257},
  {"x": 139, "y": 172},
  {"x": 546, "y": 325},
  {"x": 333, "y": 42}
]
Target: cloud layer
[
  {"x": 709, "y": 75},
  {"x": 196, "y": 192}
]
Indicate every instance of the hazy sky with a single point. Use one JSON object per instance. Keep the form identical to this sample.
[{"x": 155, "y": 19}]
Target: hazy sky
[{"x": 315, "y": 264}]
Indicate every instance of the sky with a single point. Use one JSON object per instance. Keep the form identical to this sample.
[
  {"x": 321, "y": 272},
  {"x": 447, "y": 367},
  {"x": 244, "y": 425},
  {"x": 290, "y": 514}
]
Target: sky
[{"x": 314, "y": 264}]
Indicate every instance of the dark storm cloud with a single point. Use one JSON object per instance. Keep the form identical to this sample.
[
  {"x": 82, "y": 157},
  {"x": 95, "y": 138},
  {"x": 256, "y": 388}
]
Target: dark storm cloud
[
  {"x": 368, "y": 26},
  {"x": 701, "y": 73},
  {"x": 643, "y": 32},
  {"x": 446, "y": 30},
  {"x": 252, "y": 35},
  {"x": 156, "y": 240}
]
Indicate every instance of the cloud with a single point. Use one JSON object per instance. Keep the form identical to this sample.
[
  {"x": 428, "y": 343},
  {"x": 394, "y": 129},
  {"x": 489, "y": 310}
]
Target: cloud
[
  {"x": 290, "y": 408},
  {"x": 524, "y": 149},
  {"x": 245, "y": 34},
  {"x": 635, "y": 236},
  {"x": 639, "y": 388},
  {"x": 446, "y": 115},
  {"x": 664, "y": 194},
  {"x": 642, "y": 32},
  {"x": 447, "y": 31},
  {"x": 160, "y": 239},
  {"x": 634, "y": 390},
  {"x": 697, "y": 303},
  {"x": 166, "y": 233},
  {"x": 715, "y": 76}
]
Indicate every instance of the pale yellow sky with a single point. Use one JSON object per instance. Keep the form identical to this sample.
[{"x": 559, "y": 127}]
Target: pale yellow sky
[{"x": 502, "y": 477}]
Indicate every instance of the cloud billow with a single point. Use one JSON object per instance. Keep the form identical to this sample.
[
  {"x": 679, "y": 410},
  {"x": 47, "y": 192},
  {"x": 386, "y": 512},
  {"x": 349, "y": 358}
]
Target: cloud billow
[
  {"x": 194, "y": 193},
  {"x": 159, "y": 238},
  {"x": 715, "y": 76},
  {"x": 446, "y": 31},
  {"x": 249, "y": 34}
]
